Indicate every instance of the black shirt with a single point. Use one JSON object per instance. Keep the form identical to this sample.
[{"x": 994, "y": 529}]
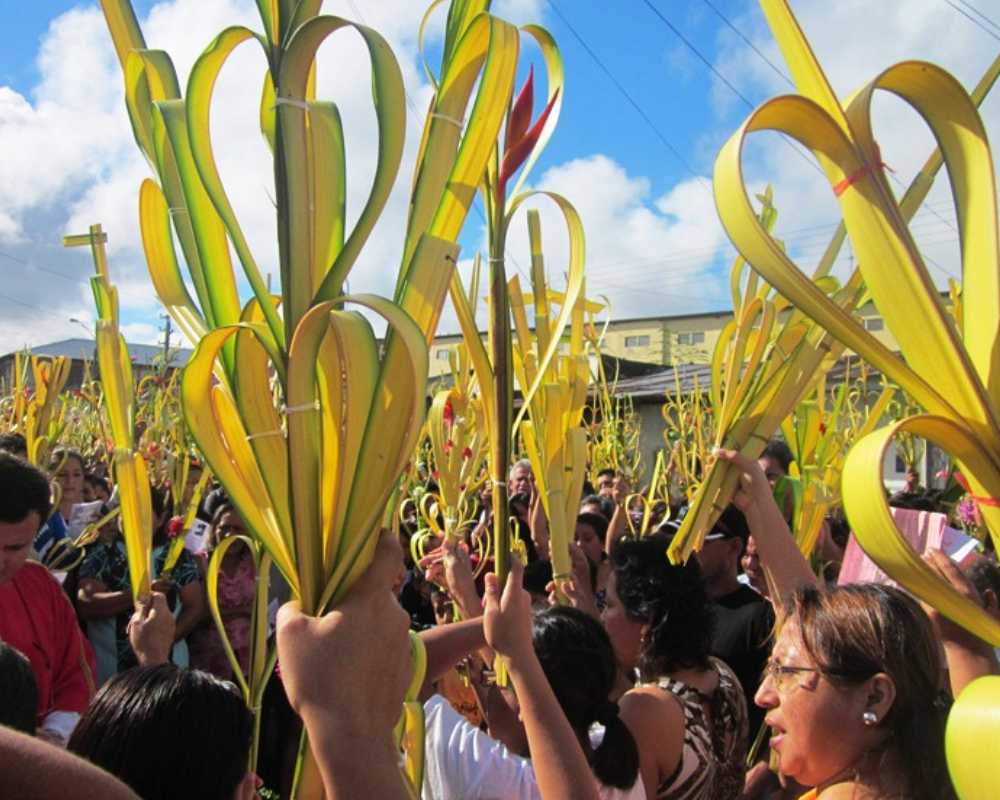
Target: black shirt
[{"x": 743, "y": 624}]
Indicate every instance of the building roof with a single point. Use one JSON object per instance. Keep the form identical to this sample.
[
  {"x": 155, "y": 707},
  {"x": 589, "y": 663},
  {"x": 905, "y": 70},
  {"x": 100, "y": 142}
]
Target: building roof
[
  {"x": 654, "y": 386},
  {"x": 83, "y": 349}
]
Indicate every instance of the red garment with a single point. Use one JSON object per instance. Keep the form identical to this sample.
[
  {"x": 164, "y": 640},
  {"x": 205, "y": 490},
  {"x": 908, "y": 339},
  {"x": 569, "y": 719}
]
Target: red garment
[{"x": 36, "y": 617}]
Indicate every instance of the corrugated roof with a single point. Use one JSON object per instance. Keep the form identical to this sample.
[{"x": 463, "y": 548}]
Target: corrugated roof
[
  {"x": 656, "y": 385},
  {"x": 83, "y": 349}
]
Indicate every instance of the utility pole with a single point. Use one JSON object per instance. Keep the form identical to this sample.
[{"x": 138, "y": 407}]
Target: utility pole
[{"x": 166, "y": 339}]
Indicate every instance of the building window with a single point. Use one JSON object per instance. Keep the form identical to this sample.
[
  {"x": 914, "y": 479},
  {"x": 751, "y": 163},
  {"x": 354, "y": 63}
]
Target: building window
[
  {"x": 695, "y": 337},
  {"x": 874, "y": 324},
  {"x": 441, "y": 355},
  {"x": 637, "y": 341}
]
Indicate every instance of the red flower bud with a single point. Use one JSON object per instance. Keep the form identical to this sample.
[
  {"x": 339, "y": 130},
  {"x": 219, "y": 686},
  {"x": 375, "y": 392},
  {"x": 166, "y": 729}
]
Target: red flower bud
[
  {"x": 467, "y": 453},
  {"x": 175, "y": 527}
]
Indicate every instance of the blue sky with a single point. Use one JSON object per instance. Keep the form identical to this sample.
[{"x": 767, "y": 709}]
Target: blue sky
[{"x": 654, "y": 242}]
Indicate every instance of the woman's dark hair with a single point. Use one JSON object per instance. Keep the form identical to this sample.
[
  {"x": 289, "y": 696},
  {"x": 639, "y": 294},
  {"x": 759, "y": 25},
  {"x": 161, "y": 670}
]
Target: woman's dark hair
[
  {"x": 856, "y": 631},
  {"x": 23, "y": 488},
  {"x": 597, "y": 522},
  {"x": 780, "y": 452},
  {"x": 15, "y": 444},
  {"x": 603, "y": 502},
  {"x": 140, "y": 728},
  {"x": 163, "y": 508},
  {"x": 670, "y": 599},
  {"x": 63, "y": 454},
  {"x": 97, "y": 480},
  {"x": 18, "y": 691},
  {"x": 579, "y": 661},
  {"x": 537, "y": 575}
]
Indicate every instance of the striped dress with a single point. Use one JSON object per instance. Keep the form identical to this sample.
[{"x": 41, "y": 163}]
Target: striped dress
[{"x": 715, "y": 743}]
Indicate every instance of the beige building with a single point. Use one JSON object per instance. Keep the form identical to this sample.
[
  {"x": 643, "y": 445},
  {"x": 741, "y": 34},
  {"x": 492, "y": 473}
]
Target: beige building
[{"x": 681, "y": 339}]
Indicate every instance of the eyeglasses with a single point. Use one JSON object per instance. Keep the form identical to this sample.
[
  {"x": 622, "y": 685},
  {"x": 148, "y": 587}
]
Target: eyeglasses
[{"x": 780, "y": 673}]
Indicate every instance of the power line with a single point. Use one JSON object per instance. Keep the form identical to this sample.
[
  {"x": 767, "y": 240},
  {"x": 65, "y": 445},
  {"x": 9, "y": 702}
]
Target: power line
[
  {"x": 33, "y": 265},
  {"x": 676, "y": 31},
  {"x": 31, "y": 306},
  {"x": 750, "y": 44},
  {"x": 979, "y": 13},
  {"x": 812, "y": 237},
  {"x": 628, "y": 97},
  {"x": 973, "y": 20}
]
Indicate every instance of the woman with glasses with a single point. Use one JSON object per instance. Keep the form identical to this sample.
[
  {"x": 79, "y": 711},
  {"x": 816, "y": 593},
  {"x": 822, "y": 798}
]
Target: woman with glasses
[
  {"x": 852, "y": 691},
  {"x": 852, "y": 696}
]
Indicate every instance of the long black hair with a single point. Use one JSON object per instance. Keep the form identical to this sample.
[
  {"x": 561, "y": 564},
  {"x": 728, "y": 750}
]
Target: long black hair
[
  {"x": 140, "y": 728},
  {"x": 670, "y": 599},
  {"x": 18, "y": 691},
  {"x": 579, "y": 661}
]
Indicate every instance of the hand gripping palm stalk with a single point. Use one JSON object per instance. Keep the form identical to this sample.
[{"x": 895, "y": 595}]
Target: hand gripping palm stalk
[
  {"x": 130, "y": 472},
  {"x": 553, "y": 436},
  {"x": 950, "y": 370},
  {"x": 802, "y": 347},
  {"x": 300, "y": 413}
]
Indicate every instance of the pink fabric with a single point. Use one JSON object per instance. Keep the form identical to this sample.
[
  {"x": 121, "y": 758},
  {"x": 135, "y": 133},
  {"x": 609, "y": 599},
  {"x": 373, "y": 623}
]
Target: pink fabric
[
  {"x": 236, "y": 590},
  {"x": 924, "y": 530}
]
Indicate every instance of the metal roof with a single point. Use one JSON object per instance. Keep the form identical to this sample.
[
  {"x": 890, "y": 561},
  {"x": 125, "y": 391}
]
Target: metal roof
[
  {"x": 83, "y": 349},
  {"x": 656, "y": 385}
]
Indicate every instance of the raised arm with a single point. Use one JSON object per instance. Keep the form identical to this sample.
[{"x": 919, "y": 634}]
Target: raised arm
[
  {"x": 558, "y": 760},
  {"x": 345, "y": 674},
  {"x": 968, "y": 656},
  {"x": 33, "y": 769},
  {"x": 783, "y": 562}
]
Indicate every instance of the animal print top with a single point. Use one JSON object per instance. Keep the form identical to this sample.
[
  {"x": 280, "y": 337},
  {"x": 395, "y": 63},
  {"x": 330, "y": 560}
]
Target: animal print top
[{"x": 715, "y": 743}]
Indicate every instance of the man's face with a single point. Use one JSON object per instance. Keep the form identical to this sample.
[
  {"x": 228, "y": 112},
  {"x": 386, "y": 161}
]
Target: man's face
[
  {"x": 520, "y": 480},
  {"x": 772, "y": 469},
  {"x": 718, "y": 557},
  {"x": 605, "y": 483},
  {"x": 15, "y": 544}
]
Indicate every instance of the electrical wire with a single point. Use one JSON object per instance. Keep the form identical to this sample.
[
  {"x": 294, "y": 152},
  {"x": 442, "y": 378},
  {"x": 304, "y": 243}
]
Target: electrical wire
[{"x": 671, "y": 148}]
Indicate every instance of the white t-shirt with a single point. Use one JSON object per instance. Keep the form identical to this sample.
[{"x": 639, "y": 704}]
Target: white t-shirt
[{"x": 463, "y": 763}]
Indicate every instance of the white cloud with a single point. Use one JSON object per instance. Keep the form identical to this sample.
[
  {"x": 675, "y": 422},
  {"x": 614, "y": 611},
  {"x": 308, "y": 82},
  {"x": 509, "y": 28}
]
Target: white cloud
[
  {"x": 648, "y": 255},
  {"x": 142, "y": 333}
]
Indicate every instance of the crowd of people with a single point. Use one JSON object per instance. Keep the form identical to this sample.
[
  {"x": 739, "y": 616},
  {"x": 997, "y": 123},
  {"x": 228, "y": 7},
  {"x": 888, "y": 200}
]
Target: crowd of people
[{"x": 739, "y": 674}]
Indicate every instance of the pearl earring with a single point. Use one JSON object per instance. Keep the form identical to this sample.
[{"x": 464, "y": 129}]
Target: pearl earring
[{"x": 869, "y": 718}]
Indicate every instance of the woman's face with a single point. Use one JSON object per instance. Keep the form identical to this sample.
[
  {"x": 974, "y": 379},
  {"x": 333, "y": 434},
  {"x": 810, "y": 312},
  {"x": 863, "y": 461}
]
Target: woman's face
[
  {"x": 589, "y": 542},
  {"x": 816, "y": 727},
  {"x": 230, "y": 524},
  {"x": 70, "y": 477},
  {"x": 625, "y": 633}
]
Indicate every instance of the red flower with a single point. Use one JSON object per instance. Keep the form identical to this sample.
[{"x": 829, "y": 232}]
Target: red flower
[
  {"x": 175, "y": 527},
  {"x": 822, "y": 428},
  {"x": 448, "y": 413},
  {"x": 519, "y": 141},
  {"x": 448, "y": 445},
  {"x": 467, "y": 454}
]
